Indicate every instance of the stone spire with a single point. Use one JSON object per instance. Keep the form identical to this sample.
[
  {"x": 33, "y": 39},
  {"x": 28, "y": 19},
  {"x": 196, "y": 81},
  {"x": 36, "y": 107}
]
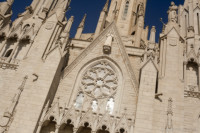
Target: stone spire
[
  {"x": 61, "y": 10},
  {"x": 65, "y": 34},
  {"x": 80, "y": 28},
  {"x": 102, "y": 19},
  {"x": 105, "y": 9}
]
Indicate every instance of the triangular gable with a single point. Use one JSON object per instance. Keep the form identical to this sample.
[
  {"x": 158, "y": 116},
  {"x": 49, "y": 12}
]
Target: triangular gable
[
  {"x": 192, "y": 54},
  {"x": 150, "y": 60},
  {"x": 196, "y": 8},
  {"x": 173, "y": 28},
  {"x": 111, "y": 27}
]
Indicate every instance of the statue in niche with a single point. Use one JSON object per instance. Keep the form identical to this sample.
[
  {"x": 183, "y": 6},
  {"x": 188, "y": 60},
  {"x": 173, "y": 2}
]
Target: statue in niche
[
  {"x": 79, "y": 101},
  {"x": 110, "y": 105},
  {"x": 172, "y": 13}
]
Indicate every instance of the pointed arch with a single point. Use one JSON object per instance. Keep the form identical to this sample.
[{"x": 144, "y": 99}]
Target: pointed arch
[
  {"x": 8, "y": 53},
  {"x": 99, "y": 80},
  {"x": 192, "y": 76}
]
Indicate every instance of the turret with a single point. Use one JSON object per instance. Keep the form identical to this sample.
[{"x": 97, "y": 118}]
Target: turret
[{"x": 80, "y": 28}]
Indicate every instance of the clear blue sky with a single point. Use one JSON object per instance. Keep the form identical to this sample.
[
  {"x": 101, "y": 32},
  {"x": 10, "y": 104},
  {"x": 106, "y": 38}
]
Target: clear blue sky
[{"x": 155, "y": 10}]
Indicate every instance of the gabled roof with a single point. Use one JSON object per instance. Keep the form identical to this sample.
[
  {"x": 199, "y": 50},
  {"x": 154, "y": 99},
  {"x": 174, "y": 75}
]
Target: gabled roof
[{"x": 111, "y": 28}]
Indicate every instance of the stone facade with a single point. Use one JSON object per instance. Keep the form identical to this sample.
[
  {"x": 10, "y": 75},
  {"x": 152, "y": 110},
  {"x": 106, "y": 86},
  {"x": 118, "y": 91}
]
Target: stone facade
[{"x": 114, "y": 80}]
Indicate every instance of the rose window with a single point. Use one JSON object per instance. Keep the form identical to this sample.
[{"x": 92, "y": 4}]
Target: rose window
[{"x": 99, "y": 81}]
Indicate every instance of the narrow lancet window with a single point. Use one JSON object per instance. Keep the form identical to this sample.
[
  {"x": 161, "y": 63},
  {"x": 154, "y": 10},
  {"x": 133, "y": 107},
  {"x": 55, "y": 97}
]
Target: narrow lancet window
[
  {"x": 136, "y": 18},
  {"x": 79, "y": 101},
  {"x": 126, "y": 10},
  {"x": 185, "y": 25},
  {"x": 198, "y": 23},
  {"x": 110, "y": 105},
  {"x": 8, "y": 53}
]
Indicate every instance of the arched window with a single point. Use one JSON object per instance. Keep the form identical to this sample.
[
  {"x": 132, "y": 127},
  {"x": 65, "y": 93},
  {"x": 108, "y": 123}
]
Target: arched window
[
  {"x": 98, "y": 82},
  {"x": 79, "y": 101},
  {"x": 26, "y": 27},
  {"x": 198, "y": 23},
  {"x": 8, "y": 53},
  {"x": 126, "y": 10},
  {"x": 110, "y": 105}
]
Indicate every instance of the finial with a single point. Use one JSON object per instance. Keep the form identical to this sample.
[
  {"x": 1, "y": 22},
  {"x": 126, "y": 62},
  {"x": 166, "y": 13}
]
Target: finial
[{"x": 83, "y": 21}]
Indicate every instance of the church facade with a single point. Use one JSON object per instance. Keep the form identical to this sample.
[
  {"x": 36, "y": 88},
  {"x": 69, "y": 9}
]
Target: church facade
[{"x": 115, "y": 80}]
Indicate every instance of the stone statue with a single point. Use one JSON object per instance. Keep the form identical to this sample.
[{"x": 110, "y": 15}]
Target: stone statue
[
  {"x": 141, "y": 10},
  {"x": 79, "y": 101},
  {"x": 110, "y": 105},
  {"x": 94, "y": 105},
  {"x": 172, "y": 13}
]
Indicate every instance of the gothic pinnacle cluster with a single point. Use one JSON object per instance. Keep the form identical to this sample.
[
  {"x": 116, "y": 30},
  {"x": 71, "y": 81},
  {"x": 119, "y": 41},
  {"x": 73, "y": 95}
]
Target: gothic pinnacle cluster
[{"x": 115, "y": 80}]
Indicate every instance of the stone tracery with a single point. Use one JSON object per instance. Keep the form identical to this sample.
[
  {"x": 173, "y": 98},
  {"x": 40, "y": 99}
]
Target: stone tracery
[{"x": 99, "y": 81}]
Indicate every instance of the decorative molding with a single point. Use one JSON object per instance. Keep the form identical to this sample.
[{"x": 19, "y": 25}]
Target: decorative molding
[
  {"x": 13, "y": 65},
  {"x": 192, "y": 94}
]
